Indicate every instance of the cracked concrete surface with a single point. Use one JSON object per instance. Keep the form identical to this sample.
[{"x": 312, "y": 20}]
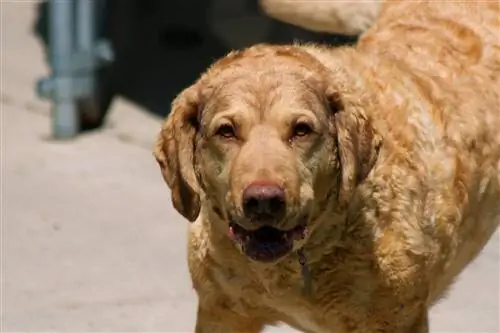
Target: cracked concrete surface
[{"x": 90, "y": 241}]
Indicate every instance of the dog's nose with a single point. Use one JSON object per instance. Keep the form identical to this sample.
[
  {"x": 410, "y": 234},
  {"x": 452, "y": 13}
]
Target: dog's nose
[{"x": 264, "y": 202}]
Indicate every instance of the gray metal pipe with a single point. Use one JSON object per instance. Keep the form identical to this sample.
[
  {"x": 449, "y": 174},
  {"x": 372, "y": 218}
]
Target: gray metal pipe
[
  {"x": 85, "y": 29},
  {"x": 75, "y": 54},
  {"x": 85, "y": 48},
  {"x": 65, "y": 114}
]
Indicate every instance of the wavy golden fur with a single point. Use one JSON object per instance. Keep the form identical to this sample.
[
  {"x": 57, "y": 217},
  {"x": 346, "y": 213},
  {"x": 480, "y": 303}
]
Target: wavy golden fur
[{"x": 398, "y": 176}]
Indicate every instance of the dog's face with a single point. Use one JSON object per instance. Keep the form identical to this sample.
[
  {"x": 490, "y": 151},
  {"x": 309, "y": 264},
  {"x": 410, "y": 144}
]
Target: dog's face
[{"x": 269, "y": 143}]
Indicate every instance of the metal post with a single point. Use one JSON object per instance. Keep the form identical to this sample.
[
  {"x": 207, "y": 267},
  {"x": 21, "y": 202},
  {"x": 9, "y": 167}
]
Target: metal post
[
  {"x": 65, "y": 114},
  {"x": 85, "y": 42},
  {"x": 75, "y": 55}
]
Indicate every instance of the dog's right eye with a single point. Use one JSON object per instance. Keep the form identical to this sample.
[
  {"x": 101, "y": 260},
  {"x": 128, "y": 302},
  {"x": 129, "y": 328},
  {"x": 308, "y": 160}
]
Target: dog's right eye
[
  {"x": 301, "y": 129},
  {"x": 226, "y": 131}
]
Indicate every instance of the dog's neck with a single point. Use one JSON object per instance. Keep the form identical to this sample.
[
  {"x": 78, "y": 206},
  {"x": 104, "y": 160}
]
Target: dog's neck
[
  {"x": 323, "y": 243},
  {"x": 326, "y": 235}
]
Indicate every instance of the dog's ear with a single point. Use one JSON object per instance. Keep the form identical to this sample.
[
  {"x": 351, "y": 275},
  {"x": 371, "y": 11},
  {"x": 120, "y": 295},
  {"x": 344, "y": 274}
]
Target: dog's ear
[
  {"x": 358, "y": 143},
  {"x": 175, "y": 152}
]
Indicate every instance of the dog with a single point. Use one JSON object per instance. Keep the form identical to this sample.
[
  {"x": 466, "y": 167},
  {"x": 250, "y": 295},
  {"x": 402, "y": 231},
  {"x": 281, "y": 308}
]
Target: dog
[
  {"x": 340, "y": 189},
  {"x": 332, "y": 16}
]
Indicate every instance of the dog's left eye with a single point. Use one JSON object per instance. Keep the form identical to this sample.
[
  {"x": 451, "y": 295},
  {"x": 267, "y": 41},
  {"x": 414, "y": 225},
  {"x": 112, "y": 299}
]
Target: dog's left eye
[
  {"x": 301, "y": 129},
  {"x": 226, "y": 131}
]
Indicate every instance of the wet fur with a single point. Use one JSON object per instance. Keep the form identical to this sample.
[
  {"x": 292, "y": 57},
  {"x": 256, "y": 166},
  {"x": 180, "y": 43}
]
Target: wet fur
[{"x": 401, "y": 184}]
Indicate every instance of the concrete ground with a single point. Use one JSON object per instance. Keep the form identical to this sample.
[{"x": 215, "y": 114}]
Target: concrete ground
[{"x": 90, "y": 241}]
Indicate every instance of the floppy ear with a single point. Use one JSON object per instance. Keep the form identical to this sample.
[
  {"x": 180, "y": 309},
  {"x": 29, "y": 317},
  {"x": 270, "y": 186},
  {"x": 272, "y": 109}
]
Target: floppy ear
[
  {"x": 358, "y": 144},
  {"x": 174, "y": 152}
]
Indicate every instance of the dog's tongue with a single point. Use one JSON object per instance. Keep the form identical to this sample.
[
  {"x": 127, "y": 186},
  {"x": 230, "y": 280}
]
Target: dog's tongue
[{"x": 232, "y": 233}]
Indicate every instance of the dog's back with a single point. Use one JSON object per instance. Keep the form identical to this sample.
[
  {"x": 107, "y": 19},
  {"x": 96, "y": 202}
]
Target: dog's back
[
  {"x": 450, "y": 56},
  {"x": 437, "y": 38},
  {"x": 436, "y": 77}
]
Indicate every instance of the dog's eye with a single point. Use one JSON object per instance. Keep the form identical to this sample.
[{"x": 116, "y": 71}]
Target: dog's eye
[
  {"x": 226, "y": 131},
  {"x": 301, "y": 129}
]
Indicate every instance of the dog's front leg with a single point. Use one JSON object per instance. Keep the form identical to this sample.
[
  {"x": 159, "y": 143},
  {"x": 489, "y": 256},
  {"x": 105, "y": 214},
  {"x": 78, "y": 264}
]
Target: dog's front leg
[{"x": 218, "y": 320}]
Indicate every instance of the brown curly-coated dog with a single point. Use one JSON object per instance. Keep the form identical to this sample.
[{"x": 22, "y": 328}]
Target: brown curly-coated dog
[{"x": 341, "y": 190}]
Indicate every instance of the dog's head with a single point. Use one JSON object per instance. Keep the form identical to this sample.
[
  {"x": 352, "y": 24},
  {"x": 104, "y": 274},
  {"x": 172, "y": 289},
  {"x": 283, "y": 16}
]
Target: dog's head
[{"x": 267, "y": 139}]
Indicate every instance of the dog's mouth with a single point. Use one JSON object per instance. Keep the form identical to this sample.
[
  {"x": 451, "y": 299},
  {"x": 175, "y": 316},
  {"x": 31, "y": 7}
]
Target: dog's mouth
[{"x": 266, "y": 244}]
